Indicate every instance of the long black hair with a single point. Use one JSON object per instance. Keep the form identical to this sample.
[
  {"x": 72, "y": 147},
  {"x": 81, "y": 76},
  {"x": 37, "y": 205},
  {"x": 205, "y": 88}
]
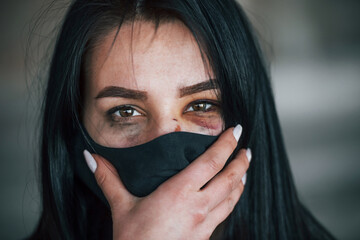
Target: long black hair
[{"x": 269, "y": 207}]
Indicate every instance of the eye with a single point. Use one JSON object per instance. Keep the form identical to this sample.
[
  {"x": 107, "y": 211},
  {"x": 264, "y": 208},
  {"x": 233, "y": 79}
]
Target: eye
[
  {"x": 201, "y": 106},
  {"x": 124, "y": 111}
]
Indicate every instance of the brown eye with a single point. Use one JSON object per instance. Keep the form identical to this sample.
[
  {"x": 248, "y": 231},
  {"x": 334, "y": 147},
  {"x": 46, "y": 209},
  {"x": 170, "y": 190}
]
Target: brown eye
[
  {"x": 200, "y": 107},
  {"x": 126, "y": 111}
]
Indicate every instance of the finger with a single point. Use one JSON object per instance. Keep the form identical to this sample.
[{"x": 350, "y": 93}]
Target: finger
[
  {"x": 229, "y": 179},
  {"x": 222, "y": 211},
  {"x": 205, "y": 167},
  {"x": 109, "y": 181}
]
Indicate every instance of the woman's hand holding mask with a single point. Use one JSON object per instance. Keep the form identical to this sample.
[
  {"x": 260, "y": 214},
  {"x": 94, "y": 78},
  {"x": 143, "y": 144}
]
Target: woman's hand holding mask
[{"x": 182, "y": 207}]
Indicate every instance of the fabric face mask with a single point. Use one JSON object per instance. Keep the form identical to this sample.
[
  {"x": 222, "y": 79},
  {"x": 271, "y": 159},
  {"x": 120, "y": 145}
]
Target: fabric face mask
[{"x": 142, "y": 168}]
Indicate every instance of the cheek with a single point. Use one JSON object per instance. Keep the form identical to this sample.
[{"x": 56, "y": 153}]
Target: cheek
[
  {"x": 122, "y": 136},
  {"x": 213, "y": 124},
  {"x": 210, "y": 125}
]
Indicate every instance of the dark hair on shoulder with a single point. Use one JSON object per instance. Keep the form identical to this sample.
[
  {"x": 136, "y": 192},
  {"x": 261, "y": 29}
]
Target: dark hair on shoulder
[{"x": 269, "y": 207}]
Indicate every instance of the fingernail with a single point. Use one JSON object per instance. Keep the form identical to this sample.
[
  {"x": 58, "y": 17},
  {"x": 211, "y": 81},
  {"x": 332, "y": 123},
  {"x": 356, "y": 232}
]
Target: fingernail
[
  {"x": 248, "y": 154},
  {"x": 244, "y": 179},
  {"x": 90, "y": 161},
  {"x": 237, "y": 132}
]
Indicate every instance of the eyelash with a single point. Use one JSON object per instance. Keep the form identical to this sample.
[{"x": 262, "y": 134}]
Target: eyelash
[
  {"x": 112, "y": 111},
  {"x": 209, "y": 109}
]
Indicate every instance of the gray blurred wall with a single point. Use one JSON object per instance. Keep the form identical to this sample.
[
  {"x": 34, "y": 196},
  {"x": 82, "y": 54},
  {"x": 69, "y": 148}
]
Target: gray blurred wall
[{"x": 313, "y": 47}]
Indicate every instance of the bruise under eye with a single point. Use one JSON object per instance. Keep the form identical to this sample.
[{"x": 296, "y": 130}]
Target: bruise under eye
[
  {"x": 206, "y": 114},
  {"x": 213, "y": 122}
]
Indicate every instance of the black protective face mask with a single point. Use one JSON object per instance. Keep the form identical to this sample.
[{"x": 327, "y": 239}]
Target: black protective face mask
[{"x": 144, "y": 167}]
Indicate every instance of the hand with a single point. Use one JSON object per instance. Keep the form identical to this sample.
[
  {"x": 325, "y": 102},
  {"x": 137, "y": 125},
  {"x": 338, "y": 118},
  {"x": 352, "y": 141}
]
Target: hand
[{"x": 190, "y": 205}]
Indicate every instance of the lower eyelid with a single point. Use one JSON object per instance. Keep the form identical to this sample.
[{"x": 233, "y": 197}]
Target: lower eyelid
[
  {"x": 207, "y": 116},
  {"x": 127, "y": 119},
  {"x": 212, "y": 123}
]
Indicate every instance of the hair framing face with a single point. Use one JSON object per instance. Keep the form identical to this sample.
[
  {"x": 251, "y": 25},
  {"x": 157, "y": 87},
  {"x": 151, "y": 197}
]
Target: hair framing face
[{"x": 269, "y": 207}]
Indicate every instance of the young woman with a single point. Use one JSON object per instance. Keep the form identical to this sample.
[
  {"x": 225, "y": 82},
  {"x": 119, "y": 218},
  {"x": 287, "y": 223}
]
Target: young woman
[{"x": 144, "y": 88}]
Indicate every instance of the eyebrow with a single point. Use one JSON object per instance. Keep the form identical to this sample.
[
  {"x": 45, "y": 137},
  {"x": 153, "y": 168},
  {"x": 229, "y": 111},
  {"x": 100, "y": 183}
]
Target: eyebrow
[
  {"x": 115, "y": 91},
  {"x": 199, "y": 87}
]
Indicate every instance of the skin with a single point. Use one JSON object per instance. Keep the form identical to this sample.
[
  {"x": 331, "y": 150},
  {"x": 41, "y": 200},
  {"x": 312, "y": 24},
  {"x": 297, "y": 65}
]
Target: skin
[{"x": 160, "y": 64}]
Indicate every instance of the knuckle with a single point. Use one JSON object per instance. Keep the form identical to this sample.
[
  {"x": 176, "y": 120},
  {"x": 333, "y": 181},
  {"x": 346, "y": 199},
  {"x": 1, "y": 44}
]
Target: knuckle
[
  {"x": 230, "y": 208},
  {"x": 177, "y": 185},
  {"x": 230, "y": 142},
  {"x": 187, "y": 186},
  {"x": 199, "y": 216},
  {"x": 233, "y": 199},
  {"x": 215, "y": 163},
  {"x": 101, "y": 180},
  {"x": 231, "y": 202},
  {"x": 174, "y": 194},
  {"x": 204, "y": 202},
  {"x": 178, "y": 195},
  {"x": 233, "y": 180},
  {"x": 236, "y": 196}
]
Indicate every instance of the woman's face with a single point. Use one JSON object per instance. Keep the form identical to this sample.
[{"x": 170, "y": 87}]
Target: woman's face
[{"x": 146, "y": 85}]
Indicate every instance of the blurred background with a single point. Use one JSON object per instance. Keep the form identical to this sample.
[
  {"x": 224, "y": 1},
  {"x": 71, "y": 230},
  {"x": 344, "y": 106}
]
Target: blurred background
[{"x": 313, "y": 48}]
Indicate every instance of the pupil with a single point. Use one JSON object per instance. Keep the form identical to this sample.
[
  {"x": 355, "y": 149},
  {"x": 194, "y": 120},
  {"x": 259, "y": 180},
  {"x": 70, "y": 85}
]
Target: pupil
[
  {"x": 200, "y": 107},
  {"x": 126, "y": 112}
]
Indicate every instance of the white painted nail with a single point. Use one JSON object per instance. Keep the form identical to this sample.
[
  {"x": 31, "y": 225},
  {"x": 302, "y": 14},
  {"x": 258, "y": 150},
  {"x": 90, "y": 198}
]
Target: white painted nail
[
  {"x": 237, "y": 132},
  {"x": 248, "y": 154},
  {"x": 90, "y": 161},
  {"x": 244, "y": 179}
]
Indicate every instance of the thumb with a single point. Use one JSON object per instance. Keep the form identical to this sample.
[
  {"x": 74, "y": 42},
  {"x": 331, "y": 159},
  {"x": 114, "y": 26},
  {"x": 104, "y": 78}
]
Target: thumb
[{"x": 109, "y": 181}]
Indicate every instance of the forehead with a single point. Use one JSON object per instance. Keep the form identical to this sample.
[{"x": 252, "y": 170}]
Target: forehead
[{"x": 143, "y": 58}]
